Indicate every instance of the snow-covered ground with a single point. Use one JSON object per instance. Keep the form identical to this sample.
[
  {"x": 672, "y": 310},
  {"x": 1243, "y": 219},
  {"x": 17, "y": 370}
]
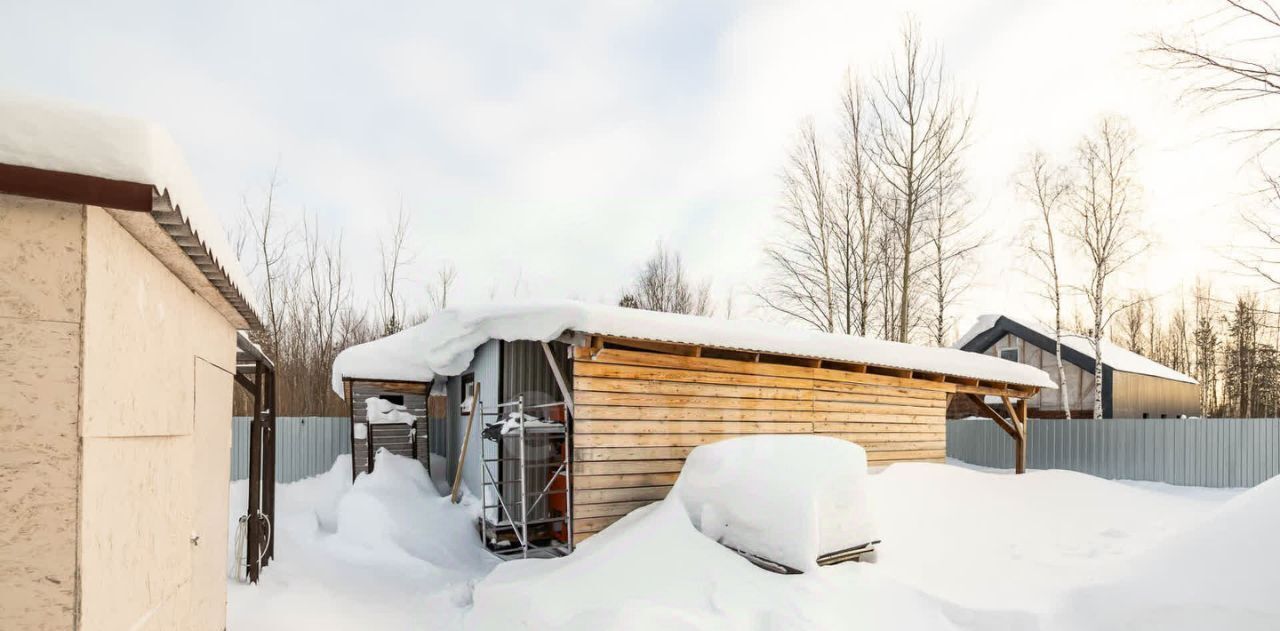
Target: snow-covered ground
[{"x": 963, "y": 549}]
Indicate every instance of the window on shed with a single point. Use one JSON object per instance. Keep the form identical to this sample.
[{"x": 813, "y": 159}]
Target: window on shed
[
  {"x": 397, "y": 399},
  {"x": 1010, "y": 354}
]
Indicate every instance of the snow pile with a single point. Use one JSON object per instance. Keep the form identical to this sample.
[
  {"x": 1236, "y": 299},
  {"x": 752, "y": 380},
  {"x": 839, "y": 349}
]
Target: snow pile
[
  {"x": 1220, "y": 574},
  {"x": 379, "y": 411},
  {"x": 654, "y": 570},
  {"x": 1115, "y": 356},
  {"x": 57, "y": 136},
  {"x": 788, "y": 499},
  {"x": 446, "y": 343},
  {"x": 386, "y": 552},
  {"x": 986, "y": 540}
]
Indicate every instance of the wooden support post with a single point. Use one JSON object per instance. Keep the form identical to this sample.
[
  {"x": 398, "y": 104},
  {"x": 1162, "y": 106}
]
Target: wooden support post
[
  {"x": 269, "y": 467},
  {"x": 1019, "y": 441},
  {"x": 254, "y": 538},
  {"x": 476, "y": 409}
]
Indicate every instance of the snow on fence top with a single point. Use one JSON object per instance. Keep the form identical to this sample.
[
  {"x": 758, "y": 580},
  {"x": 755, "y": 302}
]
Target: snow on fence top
[
  {"x": 64, "y": 138},
  {"x": 446, "y": 343},
  {"x": 1114, "y": 356}
]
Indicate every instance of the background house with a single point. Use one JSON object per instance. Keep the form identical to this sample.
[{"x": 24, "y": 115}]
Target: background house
[{"x": 1132, "y": 385}]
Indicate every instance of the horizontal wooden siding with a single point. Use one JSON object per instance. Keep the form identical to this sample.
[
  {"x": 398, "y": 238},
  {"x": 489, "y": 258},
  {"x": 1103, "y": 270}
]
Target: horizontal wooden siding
[{"x": 638, "y": 414}]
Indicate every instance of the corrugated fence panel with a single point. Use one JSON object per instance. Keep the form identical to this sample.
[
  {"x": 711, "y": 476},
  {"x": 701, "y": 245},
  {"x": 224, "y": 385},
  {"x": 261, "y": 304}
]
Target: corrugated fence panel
[
  {"x": 305, "y": 445},
  {"x": 1191, "y": 452}
]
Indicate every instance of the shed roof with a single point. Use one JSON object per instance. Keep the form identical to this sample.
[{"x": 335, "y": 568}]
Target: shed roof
[
  {"x": 1117, "y": 357},
  {"x": 58, "y": 151},
  {"x": 445, "y": 344}
]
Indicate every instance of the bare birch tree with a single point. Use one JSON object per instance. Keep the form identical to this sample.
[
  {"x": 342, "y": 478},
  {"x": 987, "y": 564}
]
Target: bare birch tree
[
  {"x": 855, "y": 217},
  {"x": 394, "y": 255},
  {"x": 664, "y": 285},
  {"x": 1047, "y": 188},
  {"x": 803, "y": 281},
  {"x": 439, "y": 287},
  {"x": 921, "y": 130},
  {"x": 951, "y": 243},
  {"x": 1104, "y": 214}
]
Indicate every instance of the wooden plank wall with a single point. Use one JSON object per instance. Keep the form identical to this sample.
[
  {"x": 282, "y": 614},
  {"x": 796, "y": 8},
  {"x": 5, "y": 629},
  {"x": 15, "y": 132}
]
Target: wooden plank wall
[
  {"x": 638, "y": 414},
  {"x": 395, "y": 438}
]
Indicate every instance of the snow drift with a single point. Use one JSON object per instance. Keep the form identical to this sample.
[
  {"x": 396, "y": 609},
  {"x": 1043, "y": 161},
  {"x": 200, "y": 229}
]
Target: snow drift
[
  {"x": 385, "y": 552},
  {"x": 1220, "y": 574},
  {"x": 788, "y": 499}
]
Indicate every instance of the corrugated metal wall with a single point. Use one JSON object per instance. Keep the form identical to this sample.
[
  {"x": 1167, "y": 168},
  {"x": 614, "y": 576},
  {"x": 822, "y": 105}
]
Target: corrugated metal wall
[
  {"x": 1190, "y": 452},
  {"x": 305, "y": 445}
]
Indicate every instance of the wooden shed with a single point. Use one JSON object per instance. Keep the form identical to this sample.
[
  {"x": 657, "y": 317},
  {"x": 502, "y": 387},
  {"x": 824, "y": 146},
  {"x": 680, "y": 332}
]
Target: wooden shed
[
  {"x": 633, "y": 392},
  {"x": 119, "y": 309}
]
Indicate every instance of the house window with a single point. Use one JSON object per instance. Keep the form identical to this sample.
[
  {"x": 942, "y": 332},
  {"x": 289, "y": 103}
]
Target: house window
[{"x": 1010, "y": 354}]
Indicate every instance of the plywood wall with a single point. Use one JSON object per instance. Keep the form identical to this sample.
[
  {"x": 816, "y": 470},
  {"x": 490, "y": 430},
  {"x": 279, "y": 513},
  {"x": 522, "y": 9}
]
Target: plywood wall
[
  {"x": 41, "y": 295},
  {"x": 155, "y": 436},
  {"x": 638, "y": 414}
]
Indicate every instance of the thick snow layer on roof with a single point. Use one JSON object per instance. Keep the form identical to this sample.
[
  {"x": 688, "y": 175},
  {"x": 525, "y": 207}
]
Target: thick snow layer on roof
[
  {"x": 61, "y": 137},
  {"x": 1116, "y": 357},
  {"x": 446, "y": 343},
  {"x": 788, "y": 499}
]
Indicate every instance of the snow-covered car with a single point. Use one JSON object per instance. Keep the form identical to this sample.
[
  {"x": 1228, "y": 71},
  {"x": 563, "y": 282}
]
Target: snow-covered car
[{"x": 788, "y": 502}]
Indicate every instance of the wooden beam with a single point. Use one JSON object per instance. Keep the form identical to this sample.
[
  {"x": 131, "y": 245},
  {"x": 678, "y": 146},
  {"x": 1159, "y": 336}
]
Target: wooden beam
[
  {"x": 244, "y": 382},
  {"x": 993, "y": 415},
  {"x": 669, "y": 348},
  {"x": 555, "y": 371},
  {"x": 466, "y": 440}
]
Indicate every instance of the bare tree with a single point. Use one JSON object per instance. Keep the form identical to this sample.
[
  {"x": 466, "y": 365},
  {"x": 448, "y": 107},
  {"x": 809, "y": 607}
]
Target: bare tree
[
  {"x": 663, "y": 285},
  {"x": 395, "y": 256},
  {"x": 271, "y": 244},
  {"x": 1133, "y": 320},
  {"x": 1104, "y": 215},
  {"x": 802, "y": 281},
  {"x": 951, "y": 242},
  {"x": 438, "y": 289},
  {"x": 855, "y": 216},
  {"x": 1047, "y": 188},
  {"x": 1241, "y": 69},
  {"x": 921, "y": 130}
]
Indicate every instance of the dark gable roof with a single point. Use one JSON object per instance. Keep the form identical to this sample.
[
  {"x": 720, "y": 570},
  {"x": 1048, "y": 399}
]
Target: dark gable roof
[{"x": 983, "y": 341}]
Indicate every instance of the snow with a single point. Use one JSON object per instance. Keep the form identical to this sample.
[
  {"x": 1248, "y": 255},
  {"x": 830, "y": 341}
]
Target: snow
[
  {"x": 58, "y": 136},
  {"x": 1230, "y": 584},
  {"x": 788, "y": 499},
  {"x": 512, "y": 423},
  {"x": 1118, "y": 358},
  {"x": 379, "y": 411},
  {"x": 445, "y": 344},
  {"x": 962, "y": 549},
  {"x": 387, "y": 552}
]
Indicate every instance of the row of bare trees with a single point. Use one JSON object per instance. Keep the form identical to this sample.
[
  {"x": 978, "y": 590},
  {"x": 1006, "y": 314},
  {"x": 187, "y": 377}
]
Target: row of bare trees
[
  {"x": 1230, "y": 345},
  {"x": 874, "y": 221},
  {"x": 312, "y": 307}
]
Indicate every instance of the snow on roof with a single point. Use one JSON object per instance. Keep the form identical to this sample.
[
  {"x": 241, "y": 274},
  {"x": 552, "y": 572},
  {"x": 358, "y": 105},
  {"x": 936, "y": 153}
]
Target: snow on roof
[
  {"x": 445, "y": 344},
  {"x": 1117, "y": 357},
  {"x": 65, "y": 138}
]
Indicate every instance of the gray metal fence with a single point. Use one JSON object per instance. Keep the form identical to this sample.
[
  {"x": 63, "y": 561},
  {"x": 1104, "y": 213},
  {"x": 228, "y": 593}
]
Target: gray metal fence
[
  {"x": 305, "y": 445},
  {"x": 1192, "y": 452}
]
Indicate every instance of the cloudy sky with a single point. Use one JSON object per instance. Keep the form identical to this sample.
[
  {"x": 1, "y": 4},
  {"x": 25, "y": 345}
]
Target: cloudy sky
[{"x": 544, "y": 148}]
